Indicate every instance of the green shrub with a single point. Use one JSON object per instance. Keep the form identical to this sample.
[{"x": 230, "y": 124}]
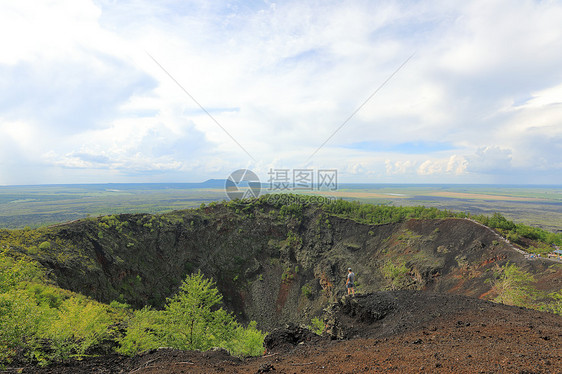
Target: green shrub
[
  {"x": 317, "y": 326},
  {"x": 554, "y": 306},
  {"x": 294, "y": 240},
  {"x": 45, "y": 246},
  {"x": 246, "y": 341},
  {"x": 79, "y": 325},
  {"x": 542, "y": 249},
  {"x": 395, "y": 275},
  {"x": 44, "y": 322},
  {"x": 288, "y": 275},
  {"x": 306, "y": 291},
  {"x": 21, "y": 320},
  {"x": 513, "y": 286},
  {"x": 47, "y": 295},
  {"x": 512, "y": 236},
  {"x": 118, "y": 305},
  {"x": 143, "y": 332},
  {"x": 15, "y": 272}
]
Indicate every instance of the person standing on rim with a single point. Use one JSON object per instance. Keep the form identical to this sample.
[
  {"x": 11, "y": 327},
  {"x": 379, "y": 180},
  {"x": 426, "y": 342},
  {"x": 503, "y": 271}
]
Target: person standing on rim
[{"x": 350, "y": 283}]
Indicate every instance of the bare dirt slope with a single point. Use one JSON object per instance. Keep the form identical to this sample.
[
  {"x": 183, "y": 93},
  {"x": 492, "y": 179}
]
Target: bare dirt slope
[{"x": 390, "y": 332}]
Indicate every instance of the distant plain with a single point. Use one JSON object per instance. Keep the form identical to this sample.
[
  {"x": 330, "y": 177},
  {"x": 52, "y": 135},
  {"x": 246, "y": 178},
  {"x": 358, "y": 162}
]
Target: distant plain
[{"x": 34, "y": 206}]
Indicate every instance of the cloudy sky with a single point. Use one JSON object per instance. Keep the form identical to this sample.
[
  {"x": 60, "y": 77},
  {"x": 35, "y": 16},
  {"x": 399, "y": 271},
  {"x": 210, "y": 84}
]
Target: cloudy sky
[{"x": 110, "y": 91}]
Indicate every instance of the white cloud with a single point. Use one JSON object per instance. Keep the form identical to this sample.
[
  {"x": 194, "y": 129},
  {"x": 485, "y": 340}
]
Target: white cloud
[
  {"x": 456, "y": 165},
  {"x": 429, "y": 167},
  {"x": 280, "y": 78},
  {"x": 490, "y": 159},
  {"x": 399, "y": 167}
]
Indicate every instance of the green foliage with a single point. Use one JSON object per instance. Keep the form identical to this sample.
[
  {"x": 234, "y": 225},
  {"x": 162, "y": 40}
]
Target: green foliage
[
  {"x": 512, "y": 236},
  {"x": 46, "y": 295},
  {"x": 112, "y": 222},
  {"x": 317, "y": 326},
  {"x": 43, "y": 321},
  {"x": 21, "y": 315},
  {"x": 514, "y": 286},
  {"x": 143, "y": 332},
  {"x": 407, "y": 235},
  {"x": 191, "y": 319},
  {"x": 554, "y": 306},
  {"x": 15, "y": 272},
  {"x": 293, "y": 210},
  {"x": 306, "y": 291},
  {"x": 246, "y": 341},
  {"x": 118, "y": 305},
  {"x": 21, "y": 320},
  {"x": 45, "y": 246},
  {"x": 541, "y": 248},
  {"x": 500, "y": 222},
  {"x": 288, "y": 275},
  {"x": 78, "y": 325},
  {"x": 193, "y": 310},
  {"x": 514, "y": 232},
  {"x": 294, "y": 240},
  {"x": 381, "y": 214},
  {"x": 396, "y": 275}
]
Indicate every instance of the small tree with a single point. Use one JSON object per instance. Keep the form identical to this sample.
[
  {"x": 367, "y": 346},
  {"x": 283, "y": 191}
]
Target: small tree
[
  {"x": 191, "y": 320},
  {"x": 192, "y": 316},
  {"x": 513, "y": 286}
]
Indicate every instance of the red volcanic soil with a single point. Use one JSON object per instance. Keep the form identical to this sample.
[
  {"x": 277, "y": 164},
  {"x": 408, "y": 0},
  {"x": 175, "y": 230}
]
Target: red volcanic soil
[{"x": 392, "y": 332}]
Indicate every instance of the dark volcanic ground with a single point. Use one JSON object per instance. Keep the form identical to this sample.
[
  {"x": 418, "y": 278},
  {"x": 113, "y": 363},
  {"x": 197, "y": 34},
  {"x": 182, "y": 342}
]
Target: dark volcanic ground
[{"x": 395, "y": 332}]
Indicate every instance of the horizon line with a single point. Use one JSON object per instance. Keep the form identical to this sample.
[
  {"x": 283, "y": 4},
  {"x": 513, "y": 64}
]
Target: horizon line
[{"x": 266, "y": 183}]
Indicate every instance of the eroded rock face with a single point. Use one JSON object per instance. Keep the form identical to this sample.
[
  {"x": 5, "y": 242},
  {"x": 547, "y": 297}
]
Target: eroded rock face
[
  {"x": 288, "y": 336},
  {"x": 361, "y": 309},
  {"x": 272, "y": 268}
]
